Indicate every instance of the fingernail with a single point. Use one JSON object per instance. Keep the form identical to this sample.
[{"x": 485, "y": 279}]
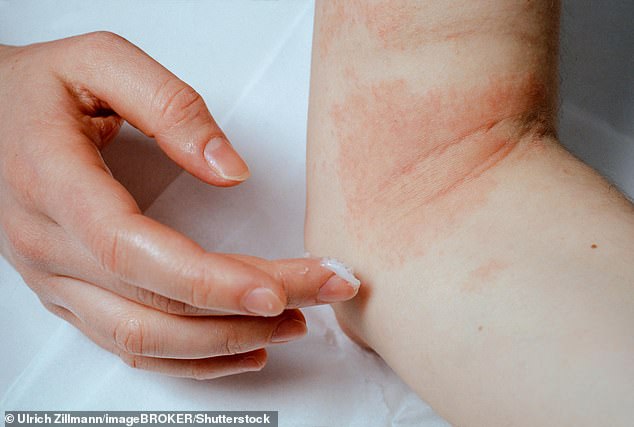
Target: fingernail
[
  {"x": 263, "y": 302},
  {"x": 288, "y": 330},
  {"x": 336, "y": 289},
  {"x": 224, "y": 160}
]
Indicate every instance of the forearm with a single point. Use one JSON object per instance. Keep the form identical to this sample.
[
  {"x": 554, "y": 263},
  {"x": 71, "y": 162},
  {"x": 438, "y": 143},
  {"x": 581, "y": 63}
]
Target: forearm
[{"x": 433, "y": 170}]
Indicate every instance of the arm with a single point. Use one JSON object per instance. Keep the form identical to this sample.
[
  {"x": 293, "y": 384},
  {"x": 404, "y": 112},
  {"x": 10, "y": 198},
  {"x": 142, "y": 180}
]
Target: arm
[{"x": 497, "y": 268}]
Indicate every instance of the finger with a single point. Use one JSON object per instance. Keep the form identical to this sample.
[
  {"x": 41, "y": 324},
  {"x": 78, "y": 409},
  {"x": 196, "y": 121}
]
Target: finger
[
  {"x": 48, "y": 248},
  {"x": 42, "y": 245},
  {"x": 88, "y": 203},
  {"x": 136, "y": 329},
  {"x": 305, "y": 281},
  {"x": 155, "y": 101},
  {"x": 201, "y": 369}
]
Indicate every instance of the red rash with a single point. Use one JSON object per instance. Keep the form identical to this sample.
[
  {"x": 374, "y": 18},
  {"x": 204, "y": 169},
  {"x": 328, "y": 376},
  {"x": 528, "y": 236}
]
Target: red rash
[
  {"x": 407, "y": 160},
  {"x": 402, "y": 25},
  {"x": 483, "y": 275}
]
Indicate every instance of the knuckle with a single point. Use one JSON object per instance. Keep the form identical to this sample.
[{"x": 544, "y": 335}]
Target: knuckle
[
  {"x": 103, "y": 40},
  {"x": 18, "y": 244},
  {"x": 201, "y": 292},
  {"x": 178, "y": 307},
  {"x": 157, "y": 301},
  {"x": 46, "y": 288},
  {"x": 197, "y": 372},
  {"x": 129, "y": 336},
  {"x": 143, "y": 296},
  {"x": 152, "y": 299},
  {"x": 108, "y": 247},
  {"x": 178, "y": 103},
  {"x": 19, "y": 172},
  {"x": 201, "y": 371},
  {"x": 160, "y": 302},
  {"x": 23, "y": 247},
  {"x": 232, "y": 342},
  {"x": 286, "y": 282},
  {"x": 132, "y": 360},
  {"x": 187, "y": 309},
  {"x": 199, "y": 296},
  {"x": 59, "y": 311}
]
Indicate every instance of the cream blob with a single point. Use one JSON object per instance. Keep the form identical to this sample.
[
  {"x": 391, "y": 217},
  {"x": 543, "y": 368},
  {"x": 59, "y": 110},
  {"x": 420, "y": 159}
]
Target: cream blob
[{"x": 341, "y": 270}]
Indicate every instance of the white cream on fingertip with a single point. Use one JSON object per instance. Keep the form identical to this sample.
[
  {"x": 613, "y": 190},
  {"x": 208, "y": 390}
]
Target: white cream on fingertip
[{"x": 341, "y": 270}]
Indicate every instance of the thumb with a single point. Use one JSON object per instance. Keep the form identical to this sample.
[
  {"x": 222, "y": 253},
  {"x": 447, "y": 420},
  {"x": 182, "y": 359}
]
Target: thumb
[{"x": 155, "y": 101}]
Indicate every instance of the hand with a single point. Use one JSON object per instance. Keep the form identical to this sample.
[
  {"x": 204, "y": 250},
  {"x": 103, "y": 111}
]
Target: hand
[{"x": 134, "y": 286}]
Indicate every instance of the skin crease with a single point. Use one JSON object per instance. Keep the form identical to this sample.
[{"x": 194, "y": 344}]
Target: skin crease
[
  {"x": 481, "y": 287},
  {"x": 80, "y": 241},
  {"x": 424, "y": 114},
  {"x": 438, "y": 137}
]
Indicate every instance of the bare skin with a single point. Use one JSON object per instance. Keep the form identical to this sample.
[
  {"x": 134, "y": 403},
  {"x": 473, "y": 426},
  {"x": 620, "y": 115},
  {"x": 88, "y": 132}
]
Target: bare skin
[
  {"x": 496, "y": 267},
  {"x": 134, "y": 286}
]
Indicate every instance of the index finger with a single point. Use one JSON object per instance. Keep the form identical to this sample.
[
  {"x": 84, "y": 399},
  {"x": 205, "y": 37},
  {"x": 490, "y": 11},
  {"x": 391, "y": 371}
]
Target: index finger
[
  {"x": 152, "y": 99},
  {"x": 306, "y": 281}
]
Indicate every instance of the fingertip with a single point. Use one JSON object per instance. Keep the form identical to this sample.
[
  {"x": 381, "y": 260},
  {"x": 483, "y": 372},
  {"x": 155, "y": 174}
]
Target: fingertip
[
  {"x": 337, "y": 289},
  {"x": 317, "y": 274},
  {"x": 292, "y": 327},
  {"x": 225, "y": 162},
  {"x": 341, "y": 270},
  {"x": 254, "y": 360}
]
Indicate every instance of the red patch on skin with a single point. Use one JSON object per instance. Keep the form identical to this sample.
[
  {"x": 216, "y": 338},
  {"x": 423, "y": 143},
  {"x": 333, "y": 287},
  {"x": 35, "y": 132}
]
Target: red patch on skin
[
  {"x": 401, "y": 25},
  {"x": 483, "y": 275},
  {"x": 331, "y": 16},
  {"x": 407, "y": 160},
  {"x": 488, "y": 270}
]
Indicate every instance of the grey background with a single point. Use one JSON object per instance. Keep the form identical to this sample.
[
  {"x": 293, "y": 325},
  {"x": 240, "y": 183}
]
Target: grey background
[{"x": 597, "y": 86}]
